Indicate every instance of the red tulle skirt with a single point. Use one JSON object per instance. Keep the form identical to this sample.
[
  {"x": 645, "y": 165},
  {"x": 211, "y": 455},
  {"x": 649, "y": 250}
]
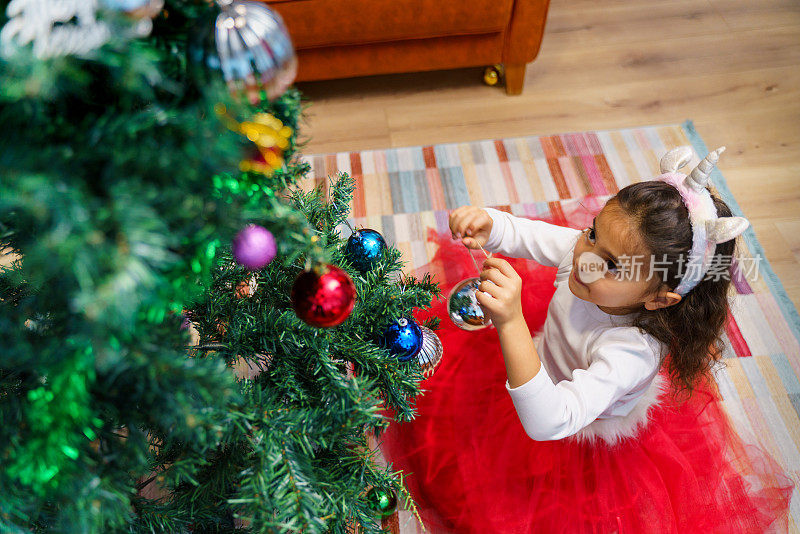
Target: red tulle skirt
[{"x": 472, "y": 469}]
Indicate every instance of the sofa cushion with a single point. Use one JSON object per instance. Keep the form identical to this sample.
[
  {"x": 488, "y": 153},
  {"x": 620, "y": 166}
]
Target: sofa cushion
[
  {"x": 316, "y": 23},
  {"x": 413, "y": 55}
]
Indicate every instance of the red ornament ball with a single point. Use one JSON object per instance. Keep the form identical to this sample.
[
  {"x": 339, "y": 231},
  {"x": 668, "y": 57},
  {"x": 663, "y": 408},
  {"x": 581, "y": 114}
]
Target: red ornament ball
[{"x": 323, "y": 296}]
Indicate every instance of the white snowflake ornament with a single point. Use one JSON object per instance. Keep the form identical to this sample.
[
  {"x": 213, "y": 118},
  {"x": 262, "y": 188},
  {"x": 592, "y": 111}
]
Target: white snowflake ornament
[
  {"x": 68, "y": 27},
  {"x": 55, "y": 27}
]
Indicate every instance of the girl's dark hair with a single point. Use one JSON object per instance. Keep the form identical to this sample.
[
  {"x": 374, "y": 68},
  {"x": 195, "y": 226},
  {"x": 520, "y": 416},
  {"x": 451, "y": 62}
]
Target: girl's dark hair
[{"x": 690, "y": 329}]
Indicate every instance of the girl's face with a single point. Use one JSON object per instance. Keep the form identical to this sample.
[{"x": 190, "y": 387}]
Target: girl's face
[{"x": 613, "y": 269}]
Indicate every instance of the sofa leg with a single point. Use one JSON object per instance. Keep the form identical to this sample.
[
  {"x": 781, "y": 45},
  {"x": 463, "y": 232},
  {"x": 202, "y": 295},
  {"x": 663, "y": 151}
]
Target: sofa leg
[{"x": 515, "y": 78}]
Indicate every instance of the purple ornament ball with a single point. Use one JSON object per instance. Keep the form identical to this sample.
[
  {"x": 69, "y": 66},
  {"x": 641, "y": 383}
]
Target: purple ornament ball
[{"x": 254, "y": 247}]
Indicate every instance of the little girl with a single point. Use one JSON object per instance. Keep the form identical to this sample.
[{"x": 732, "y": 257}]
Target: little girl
[{"x": 611, "y": 421}]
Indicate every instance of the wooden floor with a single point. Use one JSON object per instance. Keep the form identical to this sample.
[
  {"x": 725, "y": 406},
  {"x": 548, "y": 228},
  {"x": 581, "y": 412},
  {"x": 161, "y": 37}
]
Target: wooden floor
[{"x": 732, "y": 66}]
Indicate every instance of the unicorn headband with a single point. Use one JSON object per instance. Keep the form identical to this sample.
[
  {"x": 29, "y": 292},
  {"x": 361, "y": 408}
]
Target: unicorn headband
[{"x": 707, "y": 228}]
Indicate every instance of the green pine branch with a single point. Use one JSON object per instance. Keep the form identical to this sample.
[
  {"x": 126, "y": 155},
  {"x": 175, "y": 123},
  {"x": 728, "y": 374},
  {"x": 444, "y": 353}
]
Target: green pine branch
[{"x": 121, "y": 194}]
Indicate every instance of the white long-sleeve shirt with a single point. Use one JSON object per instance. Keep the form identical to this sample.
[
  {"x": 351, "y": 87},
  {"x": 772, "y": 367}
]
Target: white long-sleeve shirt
[{"x": 599, "y": 375}]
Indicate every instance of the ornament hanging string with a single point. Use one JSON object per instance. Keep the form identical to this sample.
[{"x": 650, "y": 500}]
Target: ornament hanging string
[
  {"x": 474, "y": 261},
  {"x": 462, "y": 305},
  {"x": 347, "y": 223}
]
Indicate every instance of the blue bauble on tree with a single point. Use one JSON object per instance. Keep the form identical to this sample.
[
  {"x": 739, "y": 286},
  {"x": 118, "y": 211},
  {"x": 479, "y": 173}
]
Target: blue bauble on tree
[
  {"x": 364, "y": 249},
  {"x": 403, "y": 338}
]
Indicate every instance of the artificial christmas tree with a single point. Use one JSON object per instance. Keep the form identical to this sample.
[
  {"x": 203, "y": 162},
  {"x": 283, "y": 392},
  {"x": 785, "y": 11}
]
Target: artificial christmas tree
[{"x": 127, "y": 171}]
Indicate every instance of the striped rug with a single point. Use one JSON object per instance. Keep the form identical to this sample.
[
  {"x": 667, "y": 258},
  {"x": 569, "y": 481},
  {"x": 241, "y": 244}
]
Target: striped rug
[{"x": 404, "y": 192}]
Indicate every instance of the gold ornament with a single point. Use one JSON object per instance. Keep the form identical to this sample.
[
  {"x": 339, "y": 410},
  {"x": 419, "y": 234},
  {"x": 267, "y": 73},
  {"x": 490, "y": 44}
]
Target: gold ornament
[
  {"x": 269, "y": 134},
  {"x": 492, "y": 75},
  {"x": 222, "y": 328},
  {"x": 247, "y": 288}
]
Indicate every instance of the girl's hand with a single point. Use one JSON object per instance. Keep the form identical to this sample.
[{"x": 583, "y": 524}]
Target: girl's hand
[
  {"x": 500, "y": 292},
  {"x": 472, "y": 225}
]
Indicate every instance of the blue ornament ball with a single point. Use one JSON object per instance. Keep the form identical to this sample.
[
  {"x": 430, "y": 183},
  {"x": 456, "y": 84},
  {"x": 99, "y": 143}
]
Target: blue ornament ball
[
  {"x": 403, "y": 338},
  {"x": 364, "y": 249}
]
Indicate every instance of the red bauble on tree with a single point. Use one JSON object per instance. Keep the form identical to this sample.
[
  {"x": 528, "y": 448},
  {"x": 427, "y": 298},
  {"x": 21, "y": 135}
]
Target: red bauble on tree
[{"x": 323, "y": 296}]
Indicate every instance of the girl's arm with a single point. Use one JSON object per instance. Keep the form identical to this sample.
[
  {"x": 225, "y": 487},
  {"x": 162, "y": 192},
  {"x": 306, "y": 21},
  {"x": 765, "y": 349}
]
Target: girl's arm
[
  {"x": 518, "y": 237},
  {"x": 622, "y": 362},
  {"x": 500, "y": 295},
  {"x": 521, "y": 359}
]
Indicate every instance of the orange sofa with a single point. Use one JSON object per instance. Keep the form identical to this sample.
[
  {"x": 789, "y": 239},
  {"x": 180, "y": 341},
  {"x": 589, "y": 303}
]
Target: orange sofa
[{"x": 348, "y": 38}]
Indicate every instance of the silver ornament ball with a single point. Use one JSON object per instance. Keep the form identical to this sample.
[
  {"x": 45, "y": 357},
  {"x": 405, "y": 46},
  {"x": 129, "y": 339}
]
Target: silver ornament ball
[
  {"x": 430, "y": 355},
  {"x": 463, "y": 307},
  {"x": 254, "y": 48}
]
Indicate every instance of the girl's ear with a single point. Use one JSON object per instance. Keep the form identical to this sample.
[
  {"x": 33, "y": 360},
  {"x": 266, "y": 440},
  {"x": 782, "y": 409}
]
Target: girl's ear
[{"x": 662, "y": 299}]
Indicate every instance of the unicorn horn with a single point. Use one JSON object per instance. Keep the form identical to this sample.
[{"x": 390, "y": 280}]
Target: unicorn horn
[{"x": 699, "y": 177}]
